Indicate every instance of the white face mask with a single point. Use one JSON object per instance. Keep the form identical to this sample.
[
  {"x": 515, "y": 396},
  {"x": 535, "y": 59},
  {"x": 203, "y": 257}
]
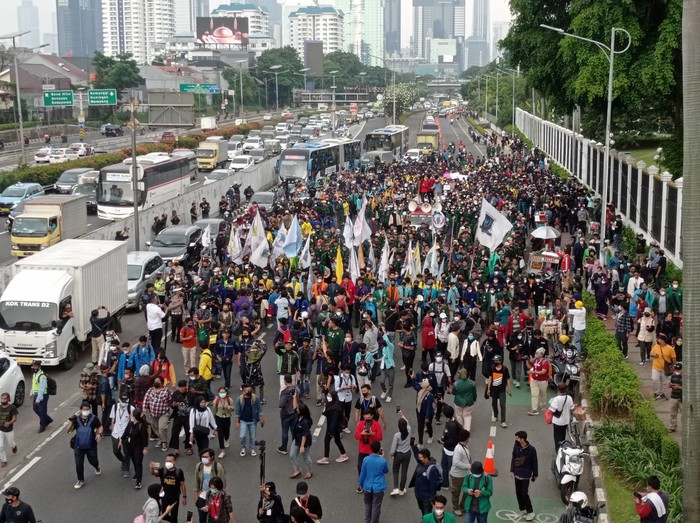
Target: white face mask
[
  {"x": 438, "y": 359},
  {"x": 161, "y": 494},
  {"x": 84, "y": 413},
  {"x": 169, "y": 465},
  {"x": 439, "y": 511},
  {"x": 205, "y": 461},
  {"x": 329, "y": 398}
]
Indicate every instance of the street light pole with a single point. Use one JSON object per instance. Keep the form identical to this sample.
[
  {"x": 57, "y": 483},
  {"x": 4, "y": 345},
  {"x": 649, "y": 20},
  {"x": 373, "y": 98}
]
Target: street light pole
[
  {"x": 610, "y": 53},
  {"x": 18, "y": 99},
  {"x": 512, "y": 116},
  {"x": 133, "y": 105},
  {"x": 274, "y": 69},
  {"x": 240, "y": 105},
  {"x": 333, "y": 87}
]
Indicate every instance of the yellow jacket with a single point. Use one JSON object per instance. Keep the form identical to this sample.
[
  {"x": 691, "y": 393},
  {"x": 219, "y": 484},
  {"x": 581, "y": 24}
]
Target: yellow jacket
[{"x": 206, "y": 364}]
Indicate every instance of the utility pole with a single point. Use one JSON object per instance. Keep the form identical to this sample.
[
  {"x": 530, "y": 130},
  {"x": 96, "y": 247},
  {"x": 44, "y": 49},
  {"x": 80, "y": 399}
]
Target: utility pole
[{"x": 133, "y": 106}]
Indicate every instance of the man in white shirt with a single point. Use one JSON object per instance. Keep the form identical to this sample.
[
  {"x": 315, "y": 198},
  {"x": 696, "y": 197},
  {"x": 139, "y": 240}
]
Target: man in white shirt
[
  {"x": 578, "y": 324},
  {"x": 119, "y": 416},
  {"x": 283, "y": 306},
  {"x": 634, "y": 282},
  {"x": 155, "y": 312}
]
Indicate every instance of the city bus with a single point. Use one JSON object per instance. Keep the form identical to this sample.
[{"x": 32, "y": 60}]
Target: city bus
[
  {"x": 307, "y": 161},
  {"x": 350, "y": 151},
  {"x": 392, "y": 138},
  {"x": 161, "y": 177}
]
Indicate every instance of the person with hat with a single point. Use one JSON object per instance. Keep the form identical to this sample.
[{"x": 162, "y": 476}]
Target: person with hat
[
  {"x": 478, "y": 489},
  {"x": 578, "y": 324},
  {"x": 496, "y": 387},
  {"x": 676, "y": 386},
  {"x": 663, "y": 357},
  {"x": 88, "y": 432},
  {"x": 40, "y": 396},
  {"x": 270, "y": 507},
  {"x": 539, "y": 368},
  {"x": 15, "y": 510},
  {"x": 308, "y": 502}
]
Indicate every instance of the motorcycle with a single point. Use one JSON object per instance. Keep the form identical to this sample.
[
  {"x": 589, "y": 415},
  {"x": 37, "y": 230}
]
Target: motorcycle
[
  {"x": 566, "y": 369},
  {"x": 578, "y": 511},
  {"x": 9, "y": 222},
  {"x": 567, "y": 467}
]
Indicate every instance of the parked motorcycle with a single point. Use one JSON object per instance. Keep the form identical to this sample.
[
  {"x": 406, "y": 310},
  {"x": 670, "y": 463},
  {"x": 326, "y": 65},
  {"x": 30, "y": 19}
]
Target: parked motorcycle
[
  {"x": 567, "y": 467},
  {"x": 566, "y": 368},
  {"x": 9, "y": 222},
  {"x": 578, "y": 510}
]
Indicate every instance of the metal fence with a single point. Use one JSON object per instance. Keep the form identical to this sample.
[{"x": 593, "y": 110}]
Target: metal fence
[{"x": 650, "y": 202}]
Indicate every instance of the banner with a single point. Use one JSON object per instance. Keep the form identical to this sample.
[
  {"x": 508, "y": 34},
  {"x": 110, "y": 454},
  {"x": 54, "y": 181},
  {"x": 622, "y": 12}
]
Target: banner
[{"x": 492, "y": 227}]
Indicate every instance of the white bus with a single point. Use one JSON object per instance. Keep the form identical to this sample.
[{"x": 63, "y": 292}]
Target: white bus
[
  {"x": 392, "y": 138},
  {"x": 309, "y": 161},
  {"x": 160, "y": 178}
]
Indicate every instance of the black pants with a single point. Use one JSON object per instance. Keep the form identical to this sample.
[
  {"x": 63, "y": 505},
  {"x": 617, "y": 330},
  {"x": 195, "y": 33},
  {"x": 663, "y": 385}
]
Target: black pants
[
  {"x": 360, "y": 458},
  {"x": 498, "y": 397},
  {"x": 521, "y": 492},
  {"x": 202, "y": 443},
  {"x": 347, "y": 410},
  {"x": 327, "y": 443},
  {"x": 226, "y": 368},
  {"x": 559, "y": 435},
  {"x": 400, "y": 464},
  {"x": 136, "y": 456},
  {"x": 470, "y": 366},
  {"x": 122, "y": 457},
  {"x": 422, "y": 425},
  {"x": 407, "y": 356},
  {"x": 176, "y": 326},
  {"x": 80, "y": 455},
  {"x": 223, "y": 430},
  {"x": 156, "y": 338},
  {"x": 425, "y": 506},
  {"x": 427, "y": 354},
  {"x": 180, "y": 422}
]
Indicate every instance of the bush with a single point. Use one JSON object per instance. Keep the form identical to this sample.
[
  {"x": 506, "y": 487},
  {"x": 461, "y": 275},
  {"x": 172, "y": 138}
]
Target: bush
[{"x": 479, "y": 129}]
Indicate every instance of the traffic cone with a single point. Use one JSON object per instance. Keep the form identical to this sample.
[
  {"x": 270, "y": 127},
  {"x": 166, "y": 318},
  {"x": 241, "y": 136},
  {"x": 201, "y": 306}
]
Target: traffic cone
[{"x": 489, "y": 461}]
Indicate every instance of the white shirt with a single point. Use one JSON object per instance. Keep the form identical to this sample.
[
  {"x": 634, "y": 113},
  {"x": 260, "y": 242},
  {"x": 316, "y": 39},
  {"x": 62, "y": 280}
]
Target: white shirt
[
  {"x": 345, "y": 396},
  {"x": 578, "y": 319},
  {"x": 120, "y": 417},
  {"x": 566, "y": 405},
  {"x": 154, "y": 317},
  {"x": 282, "y": 305}
]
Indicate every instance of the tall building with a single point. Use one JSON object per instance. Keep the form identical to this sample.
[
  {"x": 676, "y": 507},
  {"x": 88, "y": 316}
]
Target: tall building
[
  {"x": 392, "y": 27},
  {"x": 258, "y": 19},
  {"x": 322, "y": 23},
  {"x": 363, "y": 32},
  {"x": 477, "y": 47},
  {"x": 186, "y": 14},
  {"x": 28, "y": 20},
  {"x": 442, "y": 19},
  {"x": 135, "y": 26},
  {"x": 499, "y": 30},
  {"x": 480, "y": 20},
  {"x": 79, "y": 27}
]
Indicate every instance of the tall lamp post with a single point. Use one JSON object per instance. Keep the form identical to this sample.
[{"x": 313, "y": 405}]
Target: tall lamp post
[
  {"x": 133, "y": 106},
  {"x": 304, "y": 72},
  {"x": 513, "y": 73},
  {"x": 610, "y": 53},
  {"x": 333, "y": 87},
  {"x": 275, "y": 69},
  {"x": 487, "y": 93},
  {"x": 240, "y": 105},
  {"x": 393, "y": 86}
]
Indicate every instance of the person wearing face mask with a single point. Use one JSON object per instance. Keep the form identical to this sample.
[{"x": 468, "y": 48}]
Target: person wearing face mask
[
  {"x": 181, "y": 403},
  {"x": 202, "y": 423},
  {"x": 219, "y": 507},
  {"x": 334, "y": 417},
  {"x": 157, "y": 407},
  {"x": 188, "y": 337},
  {"x": 134, "y": 444},
  {"x": 270, "y": 506},
  {"x": 172, "y": 484},
  {"x": 438, "y": 515},
  {"x": 345, "y": 384},
  {"x": 88, "y": 432},
  {"x": 14, "y": 510},
  {"x": 8, "y": 418},
  {"x": 151, "y": 511},
  {"x": 223, "y": 409},
  {"x": 207, "y": 469},
  {"x": 119, "y": 416}
]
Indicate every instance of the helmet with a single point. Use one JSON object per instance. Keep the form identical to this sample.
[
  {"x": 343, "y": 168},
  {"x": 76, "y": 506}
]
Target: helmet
[
  {"x": 497, "y": 357},
  {"x": 579, "y": 499},
  {"x": 564, "y": 339}
]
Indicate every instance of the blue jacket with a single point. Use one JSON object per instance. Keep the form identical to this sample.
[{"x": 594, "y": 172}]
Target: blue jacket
[
  {"x": 426, "y": 484},
  {"x": 142, "y": 356},
  {"x": 372, "y": 473},
  {"x": 125, "y": 362},
  {"x": 388, "y": 353}
]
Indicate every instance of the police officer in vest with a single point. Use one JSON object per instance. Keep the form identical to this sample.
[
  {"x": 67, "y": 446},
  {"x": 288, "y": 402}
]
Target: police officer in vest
[{"x": 40, "y": 396}]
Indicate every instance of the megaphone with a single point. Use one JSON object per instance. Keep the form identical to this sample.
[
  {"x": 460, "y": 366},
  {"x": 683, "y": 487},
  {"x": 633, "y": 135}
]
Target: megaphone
[
  {"x": 412, "y": 205},
  {"x": 426, "y": 207},
  {"x": 437, "y": 206}
]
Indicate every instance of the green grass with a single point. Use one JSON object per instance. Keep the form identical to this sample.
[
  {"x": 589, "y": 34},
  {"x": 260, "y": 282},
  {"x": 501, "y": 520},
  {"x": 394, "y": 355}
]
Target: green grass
[
  {"x": 620, "y": 501},
  {"x": 646, "y": 155}
]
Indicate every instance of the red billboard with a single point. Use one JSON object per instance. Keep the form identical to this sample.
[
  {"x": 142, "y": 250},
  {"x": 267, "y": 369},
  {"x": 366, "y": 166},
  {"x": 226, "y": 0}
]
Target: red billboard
[{"x": 222, "y": 30}]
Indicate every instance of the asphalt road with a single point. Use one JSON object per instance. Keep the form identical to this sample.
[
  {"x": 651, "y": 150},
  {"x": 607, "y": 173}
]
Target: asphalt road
[{"x": 44, "y": 467}]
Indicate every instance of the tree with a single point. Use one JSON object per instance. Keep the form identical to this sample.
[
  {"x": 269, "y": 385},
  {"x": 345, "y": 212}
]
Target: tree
[
  {"x": 288, "y": 77},
  {"x": 250, "y": 87},
  {"x": 691, "y": 257},
  {"x": 119, "y": 72},
  {"x": 405, "y": 94}
]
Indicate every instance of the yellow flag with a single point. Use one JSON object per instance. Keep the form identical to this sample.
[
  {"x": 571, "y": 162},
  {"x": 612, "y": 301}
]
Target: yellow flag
[{"x": 339, "y": 265}]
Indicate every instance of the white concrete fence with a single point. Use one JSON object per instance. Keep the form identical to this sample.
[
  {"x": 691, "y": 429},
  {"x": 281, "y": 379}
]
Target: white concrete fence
[{"x": 649, "y": 202}]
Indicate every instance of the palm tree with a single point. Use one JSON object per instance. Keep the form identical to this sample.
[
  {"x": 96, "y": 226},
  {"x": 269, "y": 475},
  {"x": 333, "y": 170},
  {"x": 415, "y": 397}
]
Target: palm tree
[{"x": 691, "y": 259}]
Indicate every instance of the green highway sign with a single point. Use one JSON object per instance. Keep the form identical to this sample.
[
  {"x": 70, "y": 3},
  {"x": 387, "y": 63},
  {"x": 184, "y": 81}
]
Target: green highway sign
[
  {"x": 199, "y": 88},
  {"x": 58, "y": 98},
  {"x": 102, "y": 97}
]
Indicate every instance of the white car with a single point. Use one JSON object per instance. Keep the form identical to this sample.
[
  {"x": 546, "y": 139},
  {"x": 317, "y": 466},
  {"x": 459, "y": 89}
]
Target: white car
[
  {"x": 241, "y": 162},
  {"x": 240, "y": 121},
  {"x": 281, "y": 127},
  {"x": 59, "y": 155},
  {"x": 12, "y": 379},
  {"x": 42, "y": 155},
  {"x": 267, "y": 117},
  {"x": 413, "y": 154},
  {"x": 216, "y": 175},
  {"x": 252, "y": 143},
  {"x": 81, "y": 148}
]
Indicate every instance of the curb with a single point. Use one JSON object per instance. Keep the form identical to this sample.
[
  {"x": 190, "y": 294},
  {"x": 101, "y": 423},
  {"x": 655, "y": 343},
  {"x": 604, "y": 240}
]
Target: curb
[{"x": 597, "y": 483}]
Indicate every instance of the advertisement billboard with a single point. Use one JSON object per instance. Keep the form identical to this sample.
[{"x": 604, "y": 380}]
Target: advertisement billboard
[
  {"x": 313, "y": 58},
  {"x": 222, "y": 30}
]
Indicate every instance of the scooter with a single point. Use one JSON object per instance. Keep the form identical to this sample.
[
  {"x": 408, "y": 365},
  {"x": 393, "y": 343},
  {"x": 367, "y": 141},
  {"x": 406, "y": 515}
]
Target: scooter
[
  {"x": 578, "y": 510},
  {"x": 566, "y": 369},
  {"x": 567, "y": 467}
]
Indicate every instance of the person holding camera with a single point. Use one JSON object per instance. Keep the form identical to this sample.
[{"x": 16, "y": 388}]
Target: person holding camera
[
  {"x": 653, "y": 506},
  {"x": 367, "y": 431}
]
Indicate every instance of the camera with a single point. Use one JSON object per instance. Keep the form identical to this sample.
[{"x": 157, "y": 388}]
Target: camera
[
  {"x": 398, "y": 409},
  {"x": 260, "y": 444}
]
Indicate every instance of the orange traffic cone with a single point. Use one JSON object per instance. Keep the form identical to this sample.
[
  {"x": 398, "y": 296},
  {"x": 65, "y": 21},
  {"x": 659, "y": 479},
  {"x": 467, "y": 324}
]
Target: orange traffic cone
[{"x": 489, "y": 462}]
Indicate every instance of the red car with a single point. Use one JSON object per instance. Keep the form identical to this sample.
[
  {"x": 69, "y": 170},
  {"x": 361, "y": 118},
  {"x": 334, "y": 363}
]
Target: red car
[{"x": 168, "y": 137}]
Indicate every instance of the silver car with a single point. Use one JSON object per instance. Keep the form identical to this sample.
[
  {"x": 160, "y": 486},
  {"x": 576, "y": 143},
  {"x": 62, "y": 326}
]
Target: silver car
[{"x": 141, "y": 269}]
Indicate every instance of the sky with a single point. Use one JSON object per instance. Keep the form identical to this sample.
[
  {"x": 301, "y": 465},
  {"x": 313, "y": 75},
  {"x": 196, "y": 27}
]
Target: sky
[{"x": 8, "y": 23}]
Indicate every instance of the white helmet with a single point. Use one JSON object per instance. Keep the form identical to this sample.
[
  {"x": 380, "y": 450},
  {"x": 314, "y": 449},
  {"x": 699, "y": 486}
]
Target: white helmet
[{"x": 579, "y": 499}]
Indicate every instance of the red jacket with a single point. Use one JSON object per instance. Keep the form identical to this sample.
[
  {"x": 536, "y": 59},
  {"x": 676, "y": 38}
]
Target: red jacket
[
  {"x": 428, "y": 335},
  {"x": 366, "y": 441},
  {"x": 424, "y": 185}
]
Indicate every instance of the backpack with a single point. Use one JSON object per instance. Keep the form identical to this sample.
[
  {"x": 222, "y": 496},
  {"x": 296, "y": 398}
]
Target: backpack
[
  {"x": 84, "y": 433},
  {"x": 362, "y": 367},
  {"x": 439, "y": 469},
  {"x": 51, "y": 386}
]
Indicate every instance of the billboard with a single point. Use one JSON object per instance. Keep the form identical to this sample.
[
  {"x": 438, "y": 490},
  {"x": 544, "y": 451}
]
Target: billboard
[
  {"x": 313, "y": 58},
  {"x": 222, "y": 30}
]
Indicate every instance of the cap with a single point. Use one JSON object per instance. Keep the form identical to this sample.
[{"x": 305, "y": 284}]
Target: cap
[
  {"x": 540, "y": 351},
  {"x": 85, "y": 404},
  {"x": 302, "y": 488},
  {"x": 477, "y": 467},
  {"x": 678, "y": 366},
  {"x": 443, "y": 316},
  {"x": 90, "y": 367},
  {"x": 11, "y": 491},
  {"x": 498, "y": 357}
]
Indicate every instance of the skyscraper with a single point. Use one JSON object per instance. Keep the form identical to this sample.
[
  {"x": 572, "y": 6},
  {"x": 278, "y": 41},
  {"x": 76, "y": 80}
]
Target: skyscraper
[
  {"x": 186, "y": 13},
  {"x": 478, "y": 51},
  {"x": 443, "y": 19},
  {"x": 321, "y": 23},
  {"x": 392, "y": 27},
  {"x": 480, "y": 20},
  {"x": 79, "y": 27},
  {"x": 364, "y": 29},
  {"x": 28, "y": 20}
]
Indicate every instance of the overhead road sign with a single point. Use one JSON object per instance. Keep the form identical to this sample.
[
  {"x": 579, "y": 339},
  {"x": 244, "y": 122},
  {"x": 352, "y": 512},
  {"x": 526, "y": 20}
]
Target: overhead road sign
[
  {"x": 102, "y": 97},
  {"x": 58, "y": 98}
]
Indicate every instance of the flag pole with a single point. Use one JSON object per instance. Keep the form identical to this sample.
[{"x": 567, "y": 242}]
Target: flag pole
[{"x": 452, "y": 242}]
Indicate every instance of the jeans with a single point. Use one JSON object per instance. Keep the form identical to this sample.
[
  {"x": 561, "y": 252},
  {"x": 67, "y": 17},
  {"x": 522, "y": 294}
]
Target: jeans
[
  {"x": 644, "y": 350},
  {"x": 425, "y": 506},
  {"x": 179, "y": 423},
  {"x": 676, "y": 406},
  {"x": 246, "y": 433},
  {"x": 400, "y": 463},
  {"x": 373, "y": 506},
  {"x": 288, "y": 423},
  {"x": 295, "y": 455},
  {"x": 498, "y": 397},
  {"x": 521, "y": 492},
  {"x": 386, "y": 380},
  {"x": 41, "y": 409},
  {"x": 160, "y": 427},
  {"x": 517, "y": 369},
  {"x": 223, "y": 430},
  {"x": 446, "y": 464},
  {"x": 479, "y": 518},
  {"x": 621, "y": 338},
  {"x": 578, "y": 339},
  {"x": 80, "y": 461},
  {"x": 122, "y": 457}
]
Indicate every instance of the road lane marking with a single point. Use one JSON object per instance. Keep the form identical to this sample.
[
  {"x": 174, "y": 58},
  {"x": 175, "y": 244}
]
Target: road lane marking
[
  {"x": 319, "y": 426},
  {"x": 22, "y": 471},
  {"x": 492, "y": 432},
  {"x": 55, "y": 433},
  {"x": 6, "y": 232}
]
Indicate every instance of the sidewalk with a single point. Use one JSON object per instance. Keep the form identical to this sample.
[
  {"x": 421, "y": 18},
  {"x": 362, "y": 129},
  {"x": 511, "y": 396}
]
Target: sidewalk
[{"x": 662, "y": 407}]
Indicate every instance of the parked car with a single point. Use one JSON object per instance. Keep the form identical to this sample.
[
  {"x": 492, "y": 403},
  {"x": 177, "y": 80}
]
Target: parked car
[
  {"x": 141, "y": 269},
  {"x": 241, "y": 162},
  {"x": 12, "y": 379},
  {"x": 13, "y": 195},
  {"x": 89, "y": 190},
  {"x": 178, "y": 242},
  {"x": 265, "y": 199},
  {"x": 216, "y": 175},
  {"x": 42, "y": 155},
  {"x": 267, "y": 117},
  {"x": 69, "y": 179},
  {"x": 111, "y": 130}
]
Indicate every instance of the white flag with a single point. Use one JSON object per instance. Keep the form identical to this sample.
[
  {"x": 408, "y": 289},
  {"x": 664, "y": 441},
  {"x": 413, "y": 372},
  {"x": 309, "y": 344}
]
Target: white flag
[
  {"x": 256, "y": 234},
  {"x": 305, "y": 256},
  {"x": 294, "y": 239},
  {"x": 361, "y": 230},
  {"x": 371, "y": 260},
  {"x": 383, "y": 272},
  {"x": 348, "y": 233},
  {"x": 260, "y": 255},
  {"x": 492, "y": 227},
  {"x": 354, "y": 265},
  {"x": 278, "y": 243},
  {"x": 206, "y": 237},
  {"x": 409, "y": 268},
  {"x": 234, "y": 245}
]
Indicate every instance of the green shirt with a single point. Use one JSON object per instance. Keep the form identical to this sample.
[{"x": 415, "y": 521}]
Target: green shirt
[{"x": 334, "y": 339}]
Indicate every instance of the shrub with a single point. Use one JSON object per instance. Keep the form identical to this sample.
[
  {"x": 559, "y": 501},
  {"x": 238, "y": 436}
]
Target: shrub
[{"x": 479, "y": 129}]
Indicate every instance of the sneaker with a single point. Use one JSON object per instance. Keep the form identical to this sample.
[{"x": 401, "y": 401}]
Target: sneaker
[
  {"x": 494, "y": 419},
  {"x": 359, "y": 490},
  {"x": 164, "y": 447},
  {"x": 517, "y": 384},
  {"x": 346, "y": 430},
  {"x": 522, "y": 513},
  {"x": 281, "y": 450},
  {"x": 530, "y": 516},
  {"x": 382, "y": 395},
  {"x": 263, "y": 401},
  {"x": 14, "y": 449},
  {"x": 504, "y": 425},
  {"x": 323, "y": 461},
  {"x": 79, "y": 485},
  {"x": 403, "y": 367},
  {"x": 137, "y": 486},
  {"x": 342, "y": 458},
  {"x": 533, "y": 413},
  {"x": 153, "y": 438},
  {"x": 402, "y": 492},
  {"x": 438, "y": 422},
  {"x": 457, "y": 512},
  {"x": 253, "y": 453},
  {"x": 222, "y": 454},
  {"x": 395, "y": 492},
  {"x": 319, "y": 403},
  {"x": 98, "y": 471},
  {"x": 642, "y": 363},
  {"x": 430, "y": 440},
  {"x": 225, "y": 444},
  {"x": 388, "y": 399},
  {"x": 125, "y": 474},
  {"x": 626, "y": 357},
  {"x": 242, "y": 453}
]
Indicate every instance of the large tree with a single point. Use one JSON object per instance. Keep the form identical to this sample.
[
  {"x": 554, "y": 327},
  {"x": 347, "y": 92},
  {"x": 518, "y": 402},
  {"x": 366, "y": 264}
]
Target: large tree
[
  {"x": 288, "y": 76},
  {"x": 119, "y": 72}
]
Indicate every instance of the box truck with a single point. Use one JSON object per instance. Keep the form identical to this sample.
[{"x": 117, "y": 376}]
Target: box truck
[
  {"x": 212, "y": 153},
  {"x": 47, "y": 220},
  {"x": 208, "y": 123},
  {"x": 45, "y": 309}
]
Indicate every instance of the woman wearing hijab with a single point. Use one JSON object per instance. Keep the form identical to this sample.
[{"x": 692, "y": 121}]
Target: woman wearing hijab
[
  {"x": 270, "y": 507},
  {"x": 202, "y": 423},
  {"x": 400, "y": 453},
  {"x": 219, "y": 506},
  {"x": 334, "y": 416},
  {"x": 134, "y": 444},
  {"x": 152, "y": 508},
  {"x": 425, "y": 410},
  {"x": 163, "y": 368}
]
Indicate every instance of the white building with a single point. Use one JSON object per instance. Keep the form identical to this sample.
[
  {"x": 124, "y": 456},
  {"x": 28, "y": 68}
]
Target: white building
[
  {"x": 363, "y": 32},
  {"x": 317, "y": 23},
  {"x": 288, "y": 7},
  {"x": 258, "y": 19},
  {"x": 135, "y": 26}
]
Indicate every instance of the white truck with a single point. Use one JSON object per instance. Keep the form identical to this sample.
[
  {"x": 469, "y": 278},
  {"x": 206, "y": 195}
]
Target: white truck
[
  {"x": 207, "y": 123},
  {"x": 36, "y": 320}
]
